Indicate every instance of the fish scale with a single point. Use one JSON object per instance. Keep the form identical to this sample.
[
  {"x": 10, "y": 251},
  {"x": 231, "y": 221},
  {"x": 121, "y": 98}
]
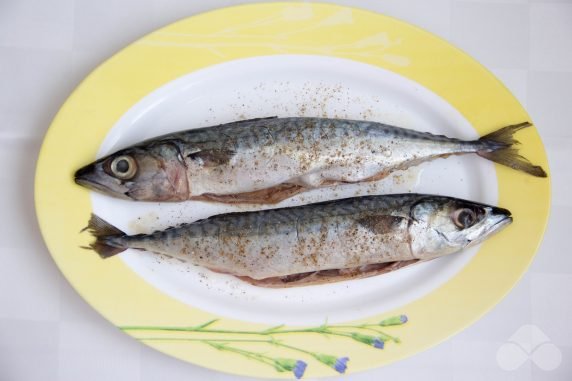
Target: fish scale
[
  {"x": 276, "y": 246},
  {"x": 267, "y": 160}
]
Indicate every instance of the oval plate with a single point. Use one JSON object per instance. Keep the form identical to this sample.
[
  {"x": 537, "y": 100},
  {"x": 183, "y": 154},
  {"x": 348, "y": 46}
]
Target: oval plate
[{"x": 104, "y": 111}]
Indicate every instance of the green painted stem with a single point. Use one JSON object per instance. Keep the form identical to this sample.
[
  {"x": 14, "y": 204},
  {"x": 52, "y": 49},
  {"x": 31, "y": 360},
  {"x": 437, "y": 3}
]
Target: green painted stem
[
  {"x": 269, "y": 341},
  {"x": 195, "y": 329},
  {"x": 229, "y": 331},
  {"x": 205, "y": 340},
  {"x": 279, "y": 344},
  {"x": 384, "y": 336},
  {"x": 323, "y": 329},
  {"x": 210, "y": 341},
  {"x": 251, "y": 355}
]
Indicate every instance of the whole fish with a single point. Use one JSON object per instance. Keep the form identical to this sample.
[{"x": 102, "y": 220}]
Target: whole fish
[
  {"x": 268, "y": 160},
  {"x": 318, "y": 243}
]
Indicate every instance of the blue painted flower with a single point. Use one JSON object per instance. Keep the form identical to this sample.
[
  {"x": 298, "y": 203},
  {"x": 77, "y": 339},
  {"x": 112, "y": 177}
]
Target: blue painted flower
[
  {"x": 369, "y": 340},
  {"x": 394, "y": 320},
  {"x": 379, "y": 344},
  {"x": 298, "y": 367},
  {"x": 338, "y": 363}
]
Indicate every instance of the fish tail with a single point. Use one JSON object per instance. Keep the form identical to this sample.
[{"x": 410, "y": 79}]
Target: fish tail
[
  {"x": 498, "y": 146},
  {"x": 106, "y": 243}
]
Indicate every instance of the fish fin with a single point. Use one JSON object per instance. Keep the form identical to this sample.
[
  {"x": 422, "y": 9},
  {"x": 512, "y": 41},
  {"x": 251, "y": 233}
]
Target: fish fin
[
  {"x": 103, "y": 231},
  {"x": 380, "y": 224},
  {"x": 498, "y": 146},
  {"x": 98, "y": 227},
  {"x": 212, "y": 157},
  {"x": 104, "y": 249}
]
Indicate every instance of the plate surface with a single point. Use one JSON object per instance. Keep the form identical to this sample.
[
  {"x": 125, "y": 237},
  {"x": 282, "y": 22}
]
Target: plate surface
[{"x": 287, "y": 60}]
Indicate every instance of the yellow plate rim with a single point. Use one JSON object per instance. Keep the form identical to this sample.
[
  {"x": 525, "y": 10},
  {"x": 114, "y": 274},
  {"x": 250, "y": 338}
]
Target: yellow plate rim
[{"x": 60, "y": 221}]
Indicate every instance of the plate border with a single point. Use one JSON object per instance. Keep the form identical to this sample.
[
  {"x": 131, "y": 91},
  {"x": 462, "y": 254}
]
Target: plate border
[{"x": 197, "y": 42}]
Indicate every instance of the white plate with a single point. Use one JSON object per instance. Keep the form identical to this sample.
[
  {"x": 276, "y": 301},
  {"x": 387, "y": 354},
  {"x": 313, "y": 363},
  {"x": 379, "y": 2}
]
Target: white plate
[{"x": 294, "y": 85}]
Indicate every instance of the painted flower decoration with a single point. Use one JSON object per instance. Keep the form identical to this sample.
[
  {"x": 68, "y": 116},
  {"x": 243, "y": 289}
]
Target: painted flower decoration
[
  {"x": 377, "y": 343},
  {"x": 217, "y": 338},
  {"x": 395, "y": 320},
  {"x": 369, "y": 340},
  {"x": 338, "y": 363},
  {"x": 298, "y": 367}
]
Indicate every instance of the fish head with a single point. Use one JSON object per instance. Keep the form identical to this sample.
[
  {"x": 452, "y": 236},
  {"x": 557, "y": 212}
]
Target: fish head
[
  {"x": 155, "y": 172},
  {"x": 442, "y": 225}
]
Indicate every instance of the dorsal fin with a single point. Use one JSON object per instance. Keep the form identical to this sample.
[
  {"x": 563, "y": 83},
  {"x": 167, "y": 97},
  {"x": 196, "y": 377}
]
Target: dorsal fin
[{"x": 381, "y": 224}]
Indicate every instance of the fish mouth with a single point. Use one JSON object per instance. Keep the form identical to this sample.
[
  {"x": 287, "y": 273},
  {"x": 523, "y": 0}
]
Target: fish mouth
[
  {"x": 85, "y": 171},
  {"x": 503, "y": 217},
  {"x": 501, "y": 212},
  {"x": 88, "y": 178},
  {"x": 85, "y": 177},
  {"x": 500, "y": 219},
  {"x": 500, "y": 224},
  {"x": 84, "y": 182}
]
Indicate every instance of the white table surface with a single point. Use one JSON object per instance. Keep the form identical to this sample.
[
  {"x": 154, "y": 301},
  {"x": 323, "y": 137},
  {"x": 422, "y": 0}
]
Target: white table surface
[{"x": 47, "y": 332}]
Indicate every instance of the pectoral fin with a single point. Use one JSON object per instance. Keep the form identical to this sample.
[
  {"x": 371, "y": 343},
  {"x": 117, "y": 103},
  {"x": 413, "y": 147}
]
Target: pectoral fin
[
  {"x": 381, "y": 224},
  {"x": 212, "y": 157}
]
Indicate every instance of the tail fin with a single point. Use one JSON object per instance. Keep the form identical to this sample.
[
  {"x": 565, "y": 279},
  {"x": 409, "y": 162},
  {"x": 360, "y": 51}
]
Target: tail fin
[
  {"x": 498, "y": 147},
  {"x": 103, "y": 231}
]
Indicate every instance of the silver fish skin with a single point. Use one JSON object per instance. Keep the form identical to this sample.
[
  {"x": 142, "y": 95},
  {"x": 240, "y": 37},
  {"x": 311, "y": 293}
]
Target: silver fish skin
[
  {"x": 332, "y": 239},
  {"x": 270, "y": 159}
]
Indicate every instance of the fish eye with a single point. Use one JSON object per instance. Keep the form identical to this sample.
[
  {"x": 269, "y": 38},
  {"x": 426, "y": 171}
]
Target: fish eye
[
  {"x": 124, "y": 167},
  {"x": 464, "y": 218}
]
